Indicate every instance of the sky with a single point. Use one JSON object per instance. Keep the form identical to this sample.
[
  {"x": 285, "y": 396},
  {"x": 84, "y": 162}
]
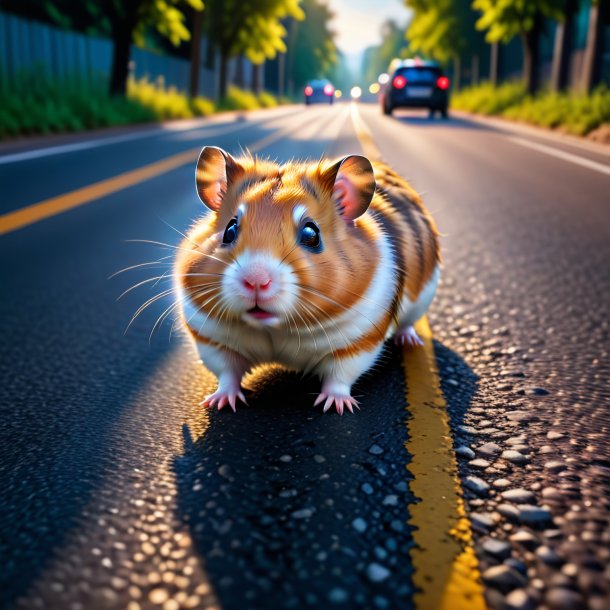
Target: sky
[{"x": 358, "y": 23}]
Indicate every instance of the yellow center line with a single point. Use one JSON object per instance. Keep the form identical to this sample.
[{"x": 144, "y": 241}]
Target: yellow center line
[
  {"x": 446, "y": 570},
  {"x": 36, "y": 212}
]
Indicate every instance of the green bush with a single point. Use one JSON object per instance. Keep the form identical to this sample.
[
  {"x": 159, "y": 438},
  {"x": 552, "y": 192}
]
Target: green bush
[
  {"x": 239, "y": 99},
  {"x": 266, "y": 100},
  {"x": 202, "y": 106},
  {"x": 575, "y": 113}
]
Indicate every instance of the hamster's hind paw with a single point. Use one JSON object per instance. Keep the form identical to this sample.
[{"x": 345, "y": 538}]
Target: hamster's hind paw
[
  {"x": 407, "y": 337},
  {"x": 340, "y": 402},
  {"x": 221, "y": 399}
]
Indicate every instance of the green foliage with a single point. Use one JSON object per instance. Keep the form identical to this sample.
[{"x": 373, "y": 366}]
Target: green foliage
[
  {"x": 487, "y": 99},
  {"x": 575, "y": 113},
  {"x": 377, "y": 59},
  {"x": 39, "y": 105},
  {"x": 239, "y": 99},
  {"x": 313, "y": 52},
  {"x": 443, "y": 29},
  {"x": 266, "y": 100},
  {"x": 505, "y": 19}
]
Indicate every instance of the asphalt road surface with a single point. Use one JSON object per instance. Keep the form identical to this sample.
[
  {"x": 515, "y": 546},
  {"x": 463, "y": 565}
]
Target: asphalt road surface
[{"x": 118, "y": 491}]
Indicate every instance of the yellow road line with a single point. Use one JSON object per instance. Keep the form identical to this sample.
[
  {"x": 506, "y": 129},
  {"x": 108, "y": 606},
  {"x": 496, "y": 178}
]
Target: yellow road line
[
  {"x": 62, "y": 203},
  {"x": 446, "y": 570},
  {"x": 55, "y": 205}
]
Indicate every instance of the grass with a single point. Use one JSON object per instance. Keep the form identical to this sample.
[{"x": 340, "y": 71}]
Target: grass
[
  {"x": 38, "y": 105},
  {"x": 574, "y": 113}
]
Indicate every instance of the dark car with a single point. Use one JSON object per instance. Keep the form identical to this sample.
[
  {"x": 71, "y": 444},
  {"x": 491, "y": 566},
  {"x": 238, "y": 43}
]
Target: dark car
[
  {"x": 416, "y": 84},
  {"x": 319, "y": 91}
]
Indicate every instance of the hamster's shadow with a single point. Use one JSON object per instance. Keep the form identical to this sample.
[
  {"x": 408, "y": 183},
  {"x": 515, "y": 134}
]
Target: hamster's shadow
[{"x": 271, "y": 493}]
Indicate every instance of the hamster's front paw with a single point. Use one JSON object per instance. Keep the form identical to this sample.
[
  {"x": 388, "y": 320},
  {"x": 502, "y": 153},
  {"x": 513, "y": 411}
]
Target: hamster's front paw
[
  {"x": 223, "y": 397},
  {"x": 337, "y": 394},
  {"x": 408, "y": 337}
]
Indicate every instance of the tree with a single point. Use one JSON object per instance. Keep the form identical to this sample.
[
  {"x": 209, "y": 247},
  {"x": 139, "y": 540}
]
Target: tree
[
  {"x": 124, "y": 21},
  {"x": 598, "y": 19},
  {"x": 377, "y": 59},
  {"x": 505, "y": 19},
  {"x": 312, "y": 52},
  {"x": 248, "y": 27}
]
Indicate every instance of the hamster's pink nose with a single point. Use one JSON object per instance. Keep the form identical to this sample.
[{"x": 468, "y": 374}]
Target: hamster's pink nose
[{"x": 254, "y": 282}]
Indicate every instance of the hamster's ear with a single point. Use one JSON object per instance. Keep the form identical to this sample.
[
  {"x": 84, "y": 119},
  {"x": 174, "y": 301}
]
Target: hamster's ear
[
  {"x": 215, "y": 169},
  {"x": 353, "y": 185}
]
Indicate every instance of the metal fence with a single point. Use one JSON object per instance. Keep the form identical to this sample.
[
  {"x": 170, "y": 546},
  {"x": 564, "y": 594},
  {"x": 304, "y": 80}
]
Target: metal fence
[{"x": 30, "y": 47}]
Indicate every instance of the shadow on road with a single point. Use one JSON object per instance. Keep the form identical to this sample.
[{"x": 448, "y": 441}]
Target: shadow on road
[
  {"x": 454, "y": 122},
  {"x": 290, "y": 508}
]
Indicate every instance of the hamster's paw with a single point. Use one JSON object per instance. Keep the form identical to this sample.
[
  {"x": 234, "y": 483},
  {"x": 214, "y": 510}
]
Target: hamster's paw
[
  {"x": 407, "y": 337},
  {"x": 340, "y": 402},
  {"x": 222, "y": 397}
]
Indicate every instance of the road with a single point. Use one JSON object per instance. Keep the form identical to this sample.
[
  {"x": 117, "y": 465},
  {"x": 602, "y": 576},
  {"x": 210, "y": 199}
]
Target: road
[{"x": 118, "y": 491}]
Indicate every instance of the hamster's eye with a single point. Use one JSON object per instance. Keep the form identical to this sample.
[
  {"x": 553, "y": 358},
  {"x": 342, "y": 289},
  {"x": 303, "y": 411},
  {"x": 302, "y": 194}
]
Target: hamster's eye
[
  {"x": 230, "y": 234},
  {"x": 309, "y": 236}
]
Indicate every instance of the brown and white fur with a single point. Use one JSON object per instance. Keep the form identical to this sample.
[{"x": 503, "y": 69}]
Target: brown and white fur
[{"x": 270, "y": 294}]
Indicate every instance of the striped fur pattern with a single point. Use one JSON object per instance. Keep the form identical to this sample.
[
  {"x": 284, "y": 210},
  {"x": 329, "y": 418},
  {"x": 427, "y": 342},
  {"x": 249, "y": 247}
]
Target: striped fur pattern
[{"x": 266, "y": 297}]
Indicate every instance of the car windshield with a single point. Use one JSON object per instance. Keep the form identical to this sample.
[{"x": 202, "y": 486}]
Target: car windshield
[{"x": 417, "y": 76}]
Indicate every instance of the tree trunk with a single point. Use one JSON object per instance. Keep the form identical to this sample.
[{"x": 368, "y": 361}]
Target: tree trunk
[
  {"x": 563, "y": 47},
  {"x": 494, "y": 64},
  {"x": 457, "y": 73},
  {"x": 256, "y": 78},
  {"x": 474, "y": 69},
  {"x": 122, "y": 35},
  {"x": 595, "y": 46},
  {"x": 223, "y": 75},
  {"x": 195, "y": 53},
  {"x": 281, "y": 60},
  {"x": 531, "y": 56},
  {"x": 239, "y": 72}
]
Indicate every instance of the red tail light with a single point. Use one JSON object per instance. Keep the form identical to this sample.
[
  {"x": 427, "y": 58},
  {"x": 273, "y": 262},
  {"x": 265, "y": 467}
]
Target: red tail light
[
  {"x": 399, "y": 82},
  {"x": 308, "y": 91},
  {"x": 329, "y": 89},
  {"x": 442, "y": 82}
]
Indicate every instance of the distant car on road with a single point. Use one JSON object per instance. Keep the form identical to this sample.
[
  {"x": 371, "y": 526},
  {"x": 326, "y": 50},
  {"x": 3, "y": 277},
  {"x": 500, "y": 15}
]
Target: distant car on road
[
  {"x": 319, "y": 91},
  {"x": 415, "y": 83}
]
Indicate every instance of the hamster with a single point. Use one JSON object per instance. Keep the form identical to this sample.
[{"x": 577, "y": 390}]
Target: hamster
[{"x": 311, "y": 265}]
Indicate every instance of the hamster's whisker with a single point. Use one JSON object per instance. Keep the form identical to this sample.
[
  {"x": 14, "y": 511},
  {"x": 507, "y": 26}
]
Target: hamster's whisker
[
  {"x": 327, "y": 317},
  {"x": 142, "y": 283},
  {"x": 157, "y": 262},
  {"x": 288, "y": 316},
  {"x": 330, "y": 343},
  {"x": 163, "y": 316},
  {"x": 322, "y": 295},
  {"x": 148, "y": 303},
  {"x": 313, "y": 337}
]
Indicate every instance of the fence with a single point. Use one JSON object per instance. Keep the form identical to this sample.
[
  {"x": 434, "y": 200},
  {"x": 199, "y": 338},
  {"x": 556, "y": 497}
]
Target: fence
[{"x": 30, "y": 47}]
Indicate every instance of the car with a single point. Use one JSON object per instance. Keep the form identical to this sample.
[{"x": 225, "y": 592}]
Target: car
[
  {"x": 319, "y": 91},
  {"x": 414, "y": 83}
]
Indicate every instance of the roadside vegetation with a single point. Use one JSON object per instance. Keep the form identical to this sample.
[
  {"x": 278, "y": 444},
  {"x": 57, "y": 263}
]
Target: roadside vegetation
[
  {"x": 573, "y": 113},
  {"x": 41, "y": 106}
]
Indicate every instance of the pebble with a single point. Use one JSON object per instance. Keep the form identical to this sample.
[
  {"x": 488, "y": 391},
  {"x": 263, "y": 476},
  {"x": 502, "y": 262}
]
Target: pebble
[
  {"x": 518, "y": 495},
  {"x": 375, "y": 450},
  {"x": 483, "y": 522},
  {"x": 501, "y": 483},
  {"x": 319, "y": 459},
  {"x": 479, "y": 486},
  {"x": 467, "y": 430},
  {"x": 519, "y": 600},
  {"x": 513, "y": 456},
  {"x": 551, "y": 493},
  {"x": 553, "y": 436},
  {"x": 367, "y": 489},
  {"x": 337, "y": 596},
  {"x": 479, "y": 463},
  {"x": 519, "y": 416},
  {"x": 401, "y": 486},
  {"x": 489, "y": 449},
  {"x": 286, "y": 458},
  {"x": 397, "y": 525},
  {"x": 559, "y": 598},
  {"x": 498, "y": 548},
  {"x": 510, "y": 511},
  {"x": 377, "y": 573},
  {"x": 527, "y": 539},
  {"x": 549, "y": 556},
  {"x": 359, "y": 525},
  {"x": 466, "y": 452},
  {"x": 504, "y": 578},
  {"x": 304, "y": 513},
  {"x": 534, "y": 514},
  {"x": 555, "y": 465},
  {"x": 390, "y": 500}
]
